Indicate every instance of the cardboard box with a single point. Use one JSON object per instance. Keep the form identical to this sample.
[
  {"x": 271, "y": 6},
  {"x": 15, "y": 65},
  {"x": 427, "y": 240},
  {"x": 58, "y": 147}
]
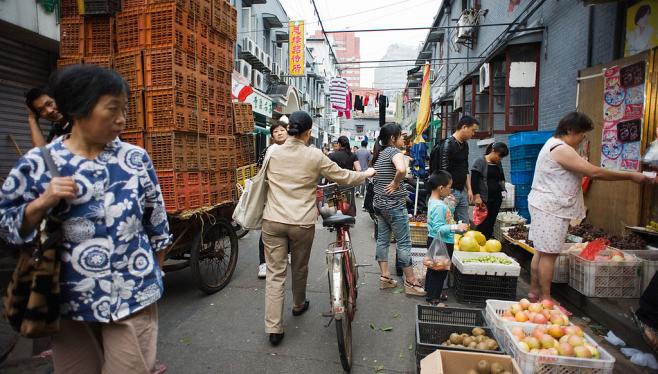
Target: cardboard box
[{"x": 462, "y": 362}]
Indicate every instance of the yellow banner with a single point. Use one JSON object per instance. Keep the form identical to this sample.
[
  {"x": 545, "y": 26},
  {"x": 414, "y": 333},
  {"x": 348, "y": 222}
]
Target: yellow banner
[{"x": 296, "y": 60}]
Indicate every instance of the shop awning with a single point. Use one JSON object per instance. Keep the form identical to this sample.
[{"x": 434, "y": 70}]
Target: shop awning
[
  {"x": 248, "y": 3},
  {"x": 271, "y": 21}
]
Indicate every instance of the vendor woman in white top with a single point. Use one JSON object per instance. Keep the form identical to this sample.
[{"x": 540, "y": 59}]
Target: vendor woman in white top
[{"x": 557, "y": 196}]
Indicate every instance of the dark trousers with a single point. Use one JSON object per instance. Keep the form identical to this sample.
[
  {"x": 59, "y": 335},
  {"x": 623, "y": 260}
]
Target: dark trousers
[
  {"x": 648, "y": 311},
  {"x": 434, "y": 279},
  {"x": 261, "y": 250},
  {"x": 486, "y": 227}
]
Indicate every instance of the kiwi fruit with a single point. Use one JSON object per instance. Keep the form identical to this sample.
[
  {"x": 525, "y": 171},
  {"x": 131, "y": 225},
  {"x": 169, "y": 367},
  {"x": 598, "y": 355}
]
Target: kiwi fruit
[
  {"x": 497, "y": 368},
  {"x": 477, "y": 331},
  {"x": 484, "y": 367}
]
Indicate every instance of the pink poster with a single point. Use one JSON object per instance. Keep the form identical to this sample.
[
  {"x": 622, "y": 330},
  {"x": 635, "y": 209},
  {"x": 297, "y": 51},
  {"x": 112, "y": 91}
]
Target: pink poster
[{"x": 622, "y": 115}]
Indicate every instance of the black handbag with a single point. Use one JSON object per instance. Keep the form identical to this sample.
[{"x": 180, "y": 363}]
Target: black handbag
[{"x": 31, "y": 303}]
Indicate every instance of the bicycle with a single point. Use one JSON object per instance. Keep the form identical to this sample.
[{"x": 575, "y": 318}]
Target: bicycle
[{"x": 341, "y": 263}]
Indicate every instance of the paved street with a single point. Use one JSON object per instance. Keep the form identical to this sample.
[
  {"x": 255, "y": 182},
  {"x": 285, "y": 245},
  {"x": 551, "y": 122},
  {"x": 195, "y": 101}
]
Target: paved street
[{"x": 224, "y": 333}]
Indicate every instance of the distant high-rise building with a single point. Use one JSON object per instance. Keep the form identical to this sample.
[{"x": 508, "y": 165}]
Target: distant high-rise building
[
  {"x": 393, "y": 79},
  {"x": 347, "y": 47}
]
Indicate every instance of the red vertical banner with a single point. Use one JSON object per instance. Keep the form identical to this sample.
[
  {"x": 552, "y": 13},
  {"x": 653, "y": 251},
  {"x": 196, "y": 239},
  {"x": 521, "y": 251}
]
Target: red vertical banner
[{"x": 296, "y": 60}]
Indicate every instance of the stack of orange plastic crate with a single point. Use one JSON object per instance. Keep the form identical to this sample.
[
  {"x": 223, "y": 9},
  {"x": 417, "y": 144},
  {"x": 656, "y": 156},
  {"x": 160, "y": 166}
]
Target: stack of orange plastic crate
[
  {"x": 177, "y": 57},
  {"x": 244, "y": 127}
]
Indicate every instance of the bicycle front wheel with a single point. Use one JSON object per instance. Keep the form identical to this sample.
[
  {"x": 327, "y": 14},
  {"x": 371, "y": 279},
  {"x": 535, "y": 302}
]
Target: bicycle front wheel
[{"x": 344, "y": 333}]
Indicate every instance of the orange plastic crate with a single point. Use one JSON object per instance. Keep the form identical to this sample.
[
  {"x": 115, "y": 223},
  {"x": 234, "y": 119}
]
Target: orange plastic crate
[
  {"x": 132, "y": 4},
  {"x": 99, "y": 35},
  {"x": 164, "y": 68},
  {"x": 133, "y": 137},
  {"x": 131, "y": 68},
  {"x": 168, "y": 150},
  {"x": 165, "y": 25},
  {"x": 62, "y": 62},
  {"x": 131, "y": 30},
  {"x": 168, "y": 109},
  {"x": 135, "y": 115},
  {"x": 68, "y": 8},
  {"x": 71, "y": 37},
  {"x": 102, "y": 61},
  {"x": 172, "y": 185}
]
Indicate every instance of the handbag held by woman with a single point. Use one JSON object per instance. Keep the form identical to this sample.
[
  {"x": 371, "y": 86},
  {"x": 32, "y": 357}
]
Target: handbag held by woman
[{"x": 31, "y": 303}]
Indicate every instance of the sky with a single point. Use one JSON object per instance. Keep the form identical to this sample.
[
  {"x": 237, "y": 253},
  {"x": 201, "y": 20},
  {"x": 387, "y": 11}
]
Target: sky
[{"x": 368, "y": 14}]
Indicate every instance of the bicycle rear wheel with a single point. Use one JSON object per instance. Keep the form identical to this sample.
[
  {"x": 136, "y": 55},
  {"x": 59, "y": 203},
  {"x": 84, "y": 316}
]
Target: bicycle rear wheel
[{"x": 344, "y": 331}]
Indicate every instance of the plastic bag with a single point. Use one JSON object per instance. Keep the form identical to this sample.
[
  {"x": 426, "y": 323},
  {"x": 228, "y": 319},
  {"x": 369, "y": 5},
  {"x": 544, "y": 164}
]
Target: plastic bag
[
  {"x": 650, "y": 157},
  {"x": 479, "y": 214},
  {"x": 437, "y": 257},
  {"x": 593, "y": 248}
]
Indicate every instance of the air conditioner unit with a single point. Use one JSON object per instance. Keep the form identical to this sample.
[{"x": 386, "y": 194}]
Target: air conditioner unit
[
  {"x": 249, "y": 45},
  {"x": 466, "y": 21},
  {"x": 257, "y": 51},
  {"x": 245, "y": 69},
  {"x": 484, "y": 77},
  {"x": 257, "y": 80},
  {"x": 261, "y": 56},
  {"x": 276, "y": 69},
  {"x": 458, "y": 99}
]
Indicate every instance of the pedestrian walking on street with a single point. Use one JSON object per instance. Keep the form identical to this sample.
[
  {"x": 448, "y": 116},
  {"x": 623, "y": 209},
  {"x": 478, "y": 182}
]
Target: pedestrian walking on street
[
  {"x": 290, "y": 215},
  {"x": 364, "y": 156},
  {"x": 114, "y": 224},
  {"x": 451, "y": 155},
  {"x": 389, "y": 203},
  {"x": 556, "y": 197},
  {"x": 279, "y": 132},
  {"x": 40, "y": 104},
  {"x": 488, "y": 183},
  {"x": 344, "y": 156}
]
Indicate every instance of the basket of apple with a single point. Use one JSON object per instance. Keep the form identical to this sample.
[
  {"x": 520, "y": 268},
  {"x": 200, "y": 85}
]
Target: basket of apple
[
  {"x": 500, "y": 313},
  {"x": 556, "y": 349}
]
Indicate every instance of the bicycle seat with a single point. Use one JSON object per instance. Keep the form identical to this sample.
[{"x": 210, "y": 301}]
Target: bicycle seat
[{"x": 338, "y": 219}]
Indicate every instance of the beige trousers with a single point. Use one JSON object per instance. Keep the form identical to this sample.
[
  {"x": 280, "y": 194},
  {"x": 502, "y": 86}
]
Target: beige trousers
[
  {"x": 119, "y": 347},
  {"x": 277, "y": 237}
]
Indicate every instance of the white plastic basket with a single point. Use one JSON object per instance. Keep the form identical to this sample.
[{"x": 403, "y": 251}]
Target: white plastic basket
[
  {"x": 605, "y": 278},
  {"x": 536, "y": 363},
  {"x": 420, "y": 270},
  {"x": 649, "y": 260},
  {"x": 494, "y": 310},
  {"x": 477, "y": 268}
]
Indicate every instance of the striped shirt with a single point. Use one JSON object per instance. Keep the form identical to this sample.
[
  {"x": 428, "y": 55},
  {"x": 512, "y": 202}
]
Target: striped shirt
[
  {"x": 338, "y": 92},
  {"x": 385, "y": 173}
]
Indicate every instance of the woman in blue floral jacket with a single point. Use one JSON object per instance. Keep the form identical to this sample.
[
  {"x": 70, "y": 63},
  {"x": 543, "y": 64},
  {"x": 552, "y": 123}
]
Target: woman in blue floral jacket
[{"x": 114, "y": 222}]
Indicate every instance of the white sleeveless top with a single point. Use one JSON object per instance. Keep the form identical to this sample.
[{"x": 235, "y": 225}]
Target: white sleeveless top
[{"x": 556, "y": 190}]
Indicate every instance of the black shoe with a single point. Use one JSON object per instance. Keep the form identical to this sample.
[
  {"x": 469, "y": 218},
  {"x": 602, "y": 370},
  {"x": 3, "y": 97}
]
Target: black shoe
[
  {"x": 275, "y": 339},
  {"x": 301, "y": 310}
]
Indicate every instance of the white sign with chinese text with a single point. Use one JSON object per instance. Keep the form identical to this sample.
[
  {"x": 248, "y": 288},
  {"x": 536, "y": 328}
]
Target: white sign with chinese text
[{"x": 260, "y": 103}]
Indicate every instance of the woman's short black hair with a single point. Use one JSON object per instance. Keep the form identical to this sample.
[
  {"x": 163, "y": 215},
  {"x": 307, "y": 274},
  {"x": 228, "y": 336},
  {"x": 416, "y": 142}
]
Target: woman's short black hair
[
  {"x": 574, "y": 122},
  {"x": 77, "y": 88},
  {"x": 277, "y": 125},
  {"x": 299, "y": 122},
  {"x": 498, "y": 147},
  {"x": 364, "y": 143},
  {"x": 438, "y": 179},
  {"x": 344, "y": 143},
  {"x": 641, "y": 12},
  {"x": 35, "y": 93}
]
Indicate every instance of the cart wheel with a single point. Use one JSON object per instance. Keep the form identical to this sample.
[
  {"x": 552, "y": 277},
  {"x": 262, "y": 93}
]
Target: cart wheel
[{"x": 213, "y": 260}]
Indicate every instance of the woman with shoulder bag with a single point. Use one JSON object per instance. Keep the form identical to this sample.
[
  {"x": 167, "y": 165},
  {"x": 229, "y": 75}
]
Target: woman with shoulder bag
[
  {"x": 114, "y": 225},
  {"x": 290, "y": 214},
  {"x": 488, "y": 183}
]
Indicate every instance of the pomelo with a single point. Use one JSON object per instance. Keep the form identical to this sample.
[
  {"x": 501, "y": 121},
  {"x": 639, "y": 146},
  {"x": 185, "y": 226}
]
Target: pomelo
[{"x": 493, "y": 245}]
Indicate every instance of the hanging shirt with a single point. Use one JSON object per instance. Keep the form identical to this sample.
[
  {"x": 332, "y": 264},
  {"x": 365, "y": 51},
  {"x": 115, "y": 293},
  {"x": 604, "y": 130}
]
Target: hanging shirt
[
  {"x": 365, "y": 100},
  {"x": 110, "y": 231},
  {"x": 338, "y": 91}
]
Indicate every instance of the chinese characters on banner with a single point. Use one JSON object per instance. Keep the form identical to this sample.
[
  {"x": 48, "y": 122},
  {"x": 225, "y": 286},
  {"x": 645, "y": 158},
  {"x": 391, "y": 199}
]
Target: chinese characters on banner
[
  {"x": 623, "y": 105},
  {"x": 296, "y": 60}
]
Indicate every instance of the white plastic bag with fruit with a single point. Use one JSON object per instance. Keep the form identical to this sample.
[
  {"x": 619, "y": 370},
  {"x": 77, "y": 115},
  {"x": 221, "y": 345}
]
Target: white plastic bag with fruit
[{"x": 437, "y": 257}]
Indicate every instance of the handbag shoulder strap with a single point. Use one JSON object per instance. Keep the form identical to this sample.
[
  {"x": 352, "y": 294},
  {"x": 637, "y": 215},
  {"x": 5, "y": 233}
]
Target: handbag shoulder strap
[{"x": 48, "y": 159}]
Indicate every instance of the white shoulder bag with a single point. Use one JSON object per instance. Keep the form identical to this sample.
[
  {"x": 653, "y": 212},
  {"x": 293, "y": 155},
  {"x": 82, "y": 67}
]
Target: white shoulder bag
[{"x": 248, "y": 212}]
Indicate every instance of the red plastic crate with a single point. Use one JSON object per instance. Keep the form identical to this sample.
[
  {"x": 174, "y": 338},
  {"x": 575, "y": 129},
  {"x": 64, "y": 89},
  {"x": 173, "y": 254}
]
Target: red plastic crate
[
  {"x": 131, "y": 68},
  {"x": 226, "y": 176},
  {"x": 203, "y": 151},
  {"x": 62, "y": 62},
  {"x": 172, "y": 185},
  {"x": 167, "y": 110},
  {"x": 131, "y": 30},
  {"x": 226, "y": 161},
  {"x": 192, "y": 152},
  {"x": 205, "y": 11},
  {"x": 99, "y": 35},
  {"x": 168, "y": 150},
  {"x": 164, "y": 68},
  {"x": 132, "y": 4},
  {"x": 71, "y": 37},
  {"x": 133, "y": 137},
  {"x": 165, "y": 25},
  {"x": 135, "y": 115},
  {"x": 102, "y": 61},
  {"x": 68, "y": 8}
]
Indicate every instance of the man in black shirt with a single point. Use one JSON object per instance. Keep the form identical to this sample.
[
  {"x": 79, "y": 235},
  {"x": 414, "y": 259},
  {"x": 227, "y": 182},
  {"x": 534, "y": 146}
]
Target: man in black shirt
[
  {"x": 452, "y": 155},
  {"x": 41, "y": 105}
]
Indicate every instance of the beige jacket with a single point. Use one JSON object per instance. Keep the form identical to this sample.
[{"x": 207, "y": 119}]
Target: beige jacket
[{"x": 293, "y": 173}]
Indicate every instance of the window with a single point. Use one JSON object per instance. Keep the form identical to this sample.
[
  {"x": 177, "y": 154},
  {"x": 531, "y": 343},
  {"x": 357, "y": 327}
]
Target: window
[
  {"x": 470, "y": 4},
  {"x": 468, "y": 100},
  {"x": 481, "y": 109},
  {"x": 497, "y": 70},
  {"x": 521, "y": 102}
]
